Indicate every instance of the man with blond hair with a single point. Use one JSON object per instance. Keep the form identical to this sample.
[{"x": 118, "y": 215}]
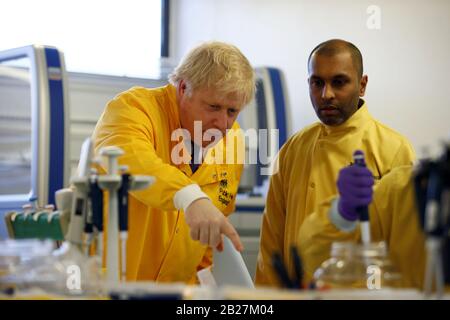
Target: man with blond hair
[{"x": 174, "y": 224}]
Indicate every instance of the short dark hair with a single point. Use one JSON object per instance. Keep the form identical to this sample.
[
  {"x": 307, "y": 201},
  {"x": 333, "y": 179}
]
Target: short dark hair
[{"x": 335, "y": 46}]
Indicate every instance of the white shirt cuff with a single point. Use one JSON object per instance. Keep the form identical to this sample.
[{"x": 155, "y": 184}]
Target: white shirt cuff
[
  {"x": 340, "y": 222},
  {"x": 185, "y": 196}
]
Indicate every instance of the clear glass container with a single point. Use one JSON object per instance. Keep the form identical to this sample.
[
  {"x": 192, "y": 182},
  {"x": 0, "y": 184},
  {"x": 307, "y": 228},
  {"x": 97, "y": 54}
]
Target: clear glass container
[
  {"x": 31, "y": 263},
  {"x": 357, "y": 266}
]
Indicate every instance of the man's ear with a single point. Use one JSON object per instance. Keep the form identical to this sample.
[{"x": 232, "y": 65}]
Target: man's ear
[
  {"x": 181, "y": 88},
  {"x": 363, "y": 85}
]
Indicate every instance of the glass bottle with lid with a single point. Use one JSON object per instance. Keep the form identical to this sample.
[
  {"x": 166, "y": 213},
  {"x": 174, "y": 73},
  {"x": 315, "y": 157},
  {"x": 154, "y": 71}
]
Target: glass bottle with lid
[{"x": 353, "y": 265}]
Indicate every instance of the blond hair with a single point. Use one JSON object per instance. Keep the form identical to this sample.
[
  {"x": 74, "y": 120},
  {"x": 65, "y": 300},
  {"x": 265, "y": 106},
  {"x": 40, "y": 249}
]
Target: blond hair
[{"x": 219, "y": 66}]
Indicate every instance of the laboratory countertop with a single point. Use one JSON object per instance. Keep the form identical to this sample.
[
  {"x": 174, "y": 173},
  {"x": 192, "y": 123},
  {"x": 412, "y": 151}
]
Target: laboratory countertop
[{"x": 153, "y": 291}]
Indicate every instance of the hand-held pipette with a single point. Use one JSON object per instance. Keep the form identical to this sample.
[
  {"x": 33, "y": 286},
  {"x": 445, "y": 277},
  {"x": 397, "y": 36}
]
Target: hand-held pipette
[{"x": 363, "y": 212}]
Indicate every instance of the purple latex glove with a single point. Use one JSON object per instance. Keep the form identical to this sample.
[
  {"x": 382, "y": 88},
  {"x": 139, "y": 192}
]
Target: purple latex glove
[{"x": 355, "y": 189}]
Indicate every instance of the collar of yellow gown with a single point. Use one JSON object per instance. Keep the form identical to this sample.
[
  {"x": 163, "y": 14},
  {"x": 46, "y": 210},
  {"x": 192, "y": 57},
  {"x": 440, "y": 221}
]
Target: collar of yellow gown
[
  {"x": 356, "y": 121},
  {"x": 173, "y": 107}
]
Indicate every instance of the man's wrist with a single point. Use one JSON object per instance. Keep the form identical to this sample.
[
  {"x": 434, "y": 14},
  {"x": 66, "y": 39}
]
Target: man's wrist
[
  {"x": 186, "y": 196},
  {"x": 338, "y": 220},
  {"x": 344, "y": 213}
]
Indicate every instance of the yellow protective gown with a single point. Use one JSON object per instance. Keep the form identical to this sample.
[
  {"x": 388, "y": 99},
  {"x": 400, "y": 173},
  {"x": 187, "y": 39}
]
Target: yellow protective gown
[
  {"x": 141, "y": 122},
  {"x": 308, "y": 166},
  {"x": 394, "y": 219}
]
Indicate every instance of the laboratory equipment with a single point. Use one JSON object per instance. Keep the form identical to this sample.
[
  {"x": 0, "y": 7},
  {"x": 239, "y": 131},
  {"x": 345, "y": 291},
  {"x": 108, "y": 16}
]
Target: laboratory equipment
[
  {"x": 37, "y": 157},
  {"x": 112, "y": 183},
  {"x": 123, "y": 217},
  {"x": 432, "y": 186},
  {"x": 269, "y": 111},
  {"x": 41, "y": 223},
  {"x": 80, "y": 196},
  {"x": 34, "y": 264},
  {"x": 357, "y": 266},
  {"x": 363, "y": 212},
  {"x": 96, "y": 201}
]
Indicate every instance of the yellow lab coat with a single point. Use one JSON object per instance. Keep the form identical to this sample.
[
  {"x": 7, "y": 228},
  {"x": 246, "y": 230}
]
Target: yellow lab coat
[
  {"x": 308, "y": 166},
  {"x": 141, "y": 122},
  {"x": 394, "y": 219}
]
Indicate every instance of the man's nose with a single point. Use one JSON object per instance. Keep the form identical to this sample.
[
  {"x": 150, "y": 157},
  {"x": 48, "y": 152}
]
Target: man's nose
[
  {"x": 327, "y": 92},
  {"x": 221, "y": 120}
]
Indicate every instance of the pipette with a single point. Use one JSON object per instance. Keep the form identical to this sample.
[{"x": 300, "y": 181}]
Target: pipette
[
  {"x": 88, "y": 225},
  {"x": 358, "y": 158},
  {"x": 79, "y": 205},
  {"x": 123, "y": 218},
  {"x": 96, "y": 197},
  {"x": 111, "y": 182}
]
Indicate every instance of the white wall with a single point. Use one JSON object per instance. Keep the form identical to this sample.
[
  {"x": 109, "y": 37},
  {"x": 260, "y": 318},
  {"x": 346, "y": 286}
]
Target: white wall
[
  {"x": 407, "y": 59},
  {"x": 88, "y": 96}
]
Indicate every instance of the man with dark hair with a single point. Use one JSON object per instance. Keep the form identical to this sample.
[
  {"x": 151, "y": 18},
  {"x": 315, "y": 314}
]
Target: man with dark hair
[
  {"x": 341, "y": 63},
  {"x": 332, "y": 47},
  {"x": 309, "y": 162}
]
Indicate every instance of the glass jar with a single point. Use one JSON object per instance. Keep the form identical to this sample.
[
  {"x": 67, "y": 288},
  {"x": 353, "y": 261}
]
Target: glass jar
[{"x": 357, "y": 266}]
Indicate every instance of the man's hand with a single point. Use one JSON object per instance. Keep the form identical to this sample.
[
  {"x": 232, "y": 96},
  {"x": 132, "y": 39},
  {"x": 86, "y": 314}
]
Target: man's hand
[
  {"x": 207, "y": 225},
  {"x": 355, "y": 189}
]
